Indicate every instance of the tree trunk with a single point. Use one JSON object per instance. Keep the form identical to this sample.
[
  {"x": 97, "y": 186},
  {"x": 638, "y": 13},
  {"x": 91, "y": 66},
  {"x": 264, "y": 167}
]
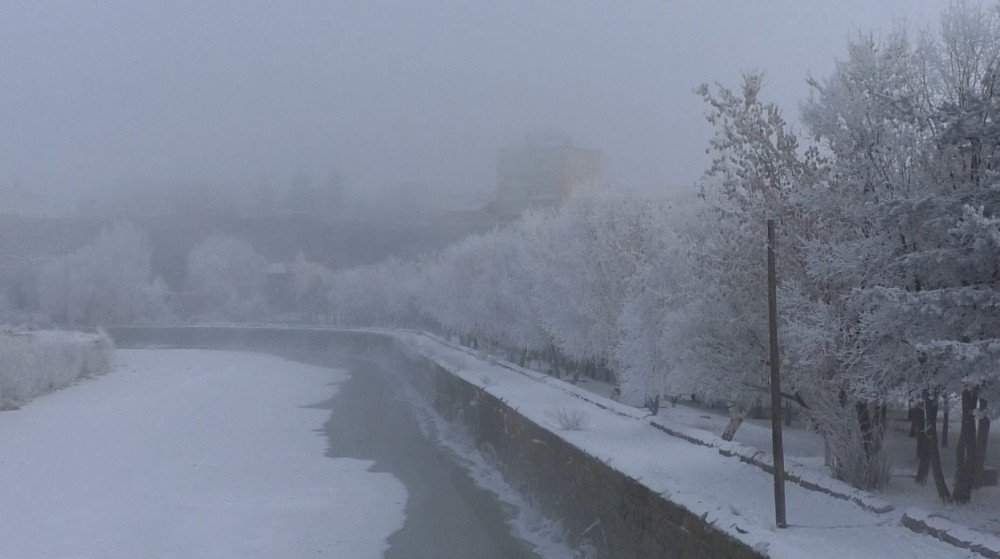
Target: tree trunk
[
  {"x": 944, "y": 426},
  {"x": 864, "y": 420},
  {"x": 735, "y": 420},
  {"x": 982, "y": 437},
  {"x": 881, "y": 414},
  {"x": 918, "y": 420},
  {"x": 524, "y": 358},
  {"x": 965, "y": 450},
  {"x": 915, "y": 416},
  {"x": 930, "y": 417},
  {"x": 653, "y": 404}
]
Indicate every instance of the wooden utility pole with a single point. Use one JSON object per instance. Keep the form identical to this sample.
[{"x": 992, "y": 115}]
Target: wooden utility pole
[{"x": 776, "y": 442}]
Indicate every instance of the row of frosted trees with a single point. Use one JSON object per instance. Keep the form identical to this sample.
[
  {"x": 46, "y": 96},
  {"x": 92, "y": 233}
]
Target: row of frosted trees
[
  {"x": 111, "y": 281},
  {"x": 887, "y": 208}
]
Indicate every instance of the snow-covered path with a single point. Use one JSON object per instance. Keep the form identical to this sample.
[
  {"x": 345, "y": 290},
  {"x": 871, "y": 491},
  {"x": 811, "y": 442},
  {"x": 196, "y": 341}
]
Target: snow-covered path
[{"x": 189, "y": 453}]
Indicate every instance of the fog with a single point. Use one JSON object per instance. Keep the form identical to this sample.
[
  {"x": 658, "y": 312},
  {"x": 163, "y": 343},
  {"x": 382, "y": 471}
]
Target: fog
[
  {"x": 105, "y": 96},
  {"x": 508, "y": 279}
]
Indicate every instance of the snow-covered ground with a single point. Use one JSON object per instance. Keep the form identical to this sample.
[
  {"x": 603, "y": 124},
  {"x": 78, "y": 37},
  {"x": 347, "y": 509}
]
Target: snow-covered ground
[
  {"x": 187, "y": 454},
  {"x": 805, "y": 448},
  {"x": 734, "y": 496}
]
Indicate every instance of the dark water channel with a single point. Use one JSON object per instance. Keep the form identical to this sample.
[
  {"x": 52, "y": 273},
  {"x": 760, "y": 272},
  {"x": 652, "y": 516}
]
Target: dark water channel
[{"x": 447, "y": 515}]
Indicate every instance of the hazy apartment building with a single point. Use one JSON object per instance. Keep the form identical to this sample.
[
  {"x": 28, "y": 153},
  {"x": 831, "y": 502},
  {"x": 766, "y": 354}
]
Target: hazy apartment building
[{"x": 542, "y": 173}]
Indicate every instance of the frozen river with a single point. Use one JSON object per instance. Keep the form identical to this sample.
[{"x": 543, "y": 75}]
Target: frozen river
[
  {"x": 195, "y": 453},
  {"x": 447, "y": 515}
]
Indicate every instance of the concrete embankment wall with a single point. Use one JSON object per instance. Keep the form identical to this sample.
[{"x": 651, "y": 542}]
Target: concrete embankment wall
[{"x": 595, "y": 503}]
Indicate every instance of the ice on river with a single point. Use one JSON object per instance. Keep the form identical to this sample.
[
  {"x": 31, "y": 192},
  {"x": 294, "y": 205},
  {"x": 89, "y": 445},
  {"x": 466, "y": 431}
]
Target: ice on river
[{"x": 189, "y": 453}]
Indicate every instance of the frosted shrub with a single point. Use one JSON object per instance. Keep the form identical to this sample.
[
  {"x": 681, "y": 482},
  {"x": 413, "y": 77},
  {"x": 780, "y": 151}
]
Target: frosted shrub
[
  {"x": 569, "y": 420},
  {"x": 59, "y": 361},
  {"x": 851, "y": 459},
  {"x": 17, "y": 365},
  {"x": 34, "y": 363},
  {"x": 97, "y": 355}
]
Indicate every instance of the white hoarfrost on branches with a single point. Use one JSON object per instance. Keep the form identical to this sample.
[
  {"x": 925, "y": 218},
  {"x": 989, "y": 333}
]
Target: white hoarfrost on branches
[
  {"x": 225, "y": 280},
  {"x": 38, "y": 362},
  {"x": 654, "y": 355},
  {"x": 904, "y": 264},
  {"x": 887, "y": 209},
  {"x": 591, "y": 252},
  {"x": 109, "y": 281},
  {"x": 379, "y": 295}
]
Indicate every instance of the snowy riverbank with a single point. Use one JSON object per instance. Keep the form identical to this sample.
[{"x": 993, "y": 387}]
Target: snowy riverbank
[{"x": 733, "y": 496}]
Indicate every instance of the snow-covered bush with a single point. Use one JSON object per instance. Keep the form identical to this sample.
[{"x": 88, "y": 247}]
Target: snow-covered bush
[
  {"x": 569, "y": 420},
  {"x": 98, "y": 355},
  {"x": 35, "y": 363},
  {"x": 856, "y": 454}
]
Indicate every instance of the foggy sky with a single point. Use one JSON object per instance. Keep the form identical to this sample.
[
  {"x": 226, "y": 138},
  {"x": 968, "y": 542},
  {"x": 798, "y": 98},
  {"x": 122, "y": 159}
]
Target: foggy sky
[{"x": 100, "y": 94}]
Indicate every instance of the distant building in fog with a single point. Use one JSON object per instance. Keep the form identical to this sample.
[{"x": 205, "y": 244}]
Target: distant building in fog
[{"x": 542, "y": 173}]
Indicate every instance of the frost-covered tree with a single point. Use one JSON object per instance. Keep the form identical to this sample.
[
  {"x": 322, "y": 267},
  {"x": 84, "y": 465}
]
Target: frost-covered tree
[
  {"x": 311, "y": 282},
  {"x": 483, "y": 287},
  {"x": 590, "y": 252},
  {"x": 654, "y": 355},
  {"x": 517, "y": 262},
  {"x": 447, "y": 294},
  {"x": 375, "y": 295},
  {"x": 226, "y": 279},
  {"x": 498, "y": 283},
  {"x": 907, "y": 263},
  {"x": 756, "y": 169},
  {"x": 109, "y": 281},
  {"x": 846, "y": 244}
]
